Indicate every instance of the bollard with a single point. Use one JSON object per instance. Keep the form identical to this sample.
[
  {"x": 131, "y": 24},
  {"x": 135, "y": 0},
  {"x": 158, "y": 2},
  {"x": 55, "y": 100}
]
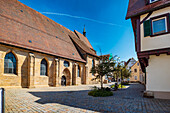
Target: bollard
[{"x": 2, "y": 100}]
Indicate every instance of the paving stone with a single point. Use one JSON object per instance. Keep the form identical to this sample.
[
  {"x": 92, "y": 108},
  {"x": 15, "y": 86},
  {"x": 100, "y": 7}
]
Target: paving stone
[{"x": 75, "y": 99}]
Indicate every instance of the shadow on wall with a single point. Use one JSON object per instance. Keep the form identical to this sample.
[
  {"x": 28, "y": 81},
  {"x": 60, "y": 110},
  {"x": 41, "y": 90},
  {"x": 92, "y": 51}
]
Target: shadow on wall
[{"x": 51, "y": 74}]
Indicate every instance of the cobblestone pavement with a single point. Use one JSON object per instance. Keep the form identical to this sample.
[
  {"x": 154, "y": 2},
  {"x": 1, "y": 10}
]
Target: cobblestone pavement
[{"x": 75, "y": 99}]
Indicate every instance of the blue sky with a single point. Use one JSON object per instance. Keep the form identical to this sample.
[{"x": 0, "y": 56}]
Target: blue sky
[{"x": 105, "y": 22}]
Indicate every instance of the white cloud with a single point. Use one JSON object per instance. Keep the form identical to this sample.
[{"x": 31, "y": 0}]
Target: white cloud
[{"x": 79, "y": 17}]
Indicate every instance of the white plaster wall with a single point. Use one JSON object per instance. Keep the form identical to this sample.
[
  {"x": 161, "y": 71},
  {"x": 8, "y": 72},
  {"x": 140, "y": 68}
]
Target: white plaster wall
[
  {"x": 158, "y": 73},
  {"x": 157, "y": 42}
]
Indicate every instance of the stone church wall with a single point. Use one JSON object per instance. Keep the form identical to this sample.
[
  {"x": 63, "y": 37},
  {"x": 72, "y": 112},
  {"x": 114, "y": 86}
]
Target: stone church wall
[{"x": 28, "y": 70}]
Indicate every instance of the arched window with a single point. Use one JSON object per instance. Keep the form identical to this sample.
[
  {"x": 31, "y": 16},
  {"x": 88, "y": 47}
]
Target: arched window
[
  {"x": 66, "y": 64},
  {"x": 10, "y": 63},
  {"x": 93, "y": 66},
  {"x": 43, "y": 69},
  {"x": 92, "y": 63},
  {"x": 78, "y": 71}
]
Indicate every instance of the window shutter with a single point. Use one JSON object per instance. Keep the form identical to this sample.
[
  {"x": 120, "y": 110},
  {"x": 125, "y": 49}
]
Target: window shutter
[{"x": 147, "y": 28}]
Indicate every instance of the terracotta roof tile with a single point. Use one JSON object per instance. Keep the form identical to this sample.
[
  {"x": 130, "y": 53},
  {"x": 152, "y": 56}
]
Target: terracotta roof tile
[
  {"x": 82, "y": 45},
  {"x": 24, "y": 27},
  {"x": 83, "y": 38}
]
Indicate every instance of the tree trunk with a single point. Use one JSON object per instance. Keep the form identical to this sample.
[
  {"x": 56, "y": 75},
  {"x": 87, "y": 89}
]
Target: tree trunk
[
  {"x": 117, "y": 76},
  {"x": 101, "y": 81}
]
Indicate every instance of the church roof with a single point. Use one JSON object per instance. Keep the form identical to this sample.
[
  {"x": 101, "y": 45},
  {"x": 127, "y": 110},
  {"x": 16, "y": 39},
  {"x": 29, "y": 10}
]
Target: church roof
[
  {"x": 24, "y": 27},
  {"x": 139, "y": 7},
  {"x": 83, "y": 38}
]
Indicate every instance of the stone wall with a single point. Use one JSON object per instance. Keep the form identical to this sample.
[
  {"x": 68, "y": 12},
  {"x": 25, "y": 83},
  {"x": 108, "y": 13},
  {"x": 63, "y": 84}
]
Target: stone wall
[
  {"x": 28, "y": 70},
  {"x": 90, "y": 77}
]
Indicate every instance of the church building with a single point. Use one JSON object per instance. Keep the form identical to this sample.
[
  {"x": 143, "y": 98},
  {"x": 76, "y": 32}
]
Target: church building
[{"x": 35, "y": 51}]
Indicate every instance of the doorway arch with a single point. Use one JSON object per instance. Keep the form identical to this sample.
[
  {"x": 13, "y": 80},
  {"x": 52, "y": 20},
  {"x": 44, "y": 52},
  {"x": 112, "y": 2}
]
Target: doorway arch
[
  {"x": 66, "y": 77},
  {"x": 63, "y": 80}
]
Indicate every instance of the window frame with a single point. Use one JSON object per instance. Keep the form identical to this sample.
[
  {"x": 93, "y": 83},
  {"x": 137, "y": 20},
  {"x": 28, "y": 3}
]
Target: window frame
[
  {"x": 166, "y": 26},
  {"x": 46, "y": 67},
  {"x": 67, "y": 62},
  {"x": 135, "y": 70},
  {"x": 93, "y": 65},
  {"x": 166, "y": 16},
  {"x": 15, "y": 68},
  {"x": 78, "y": 71}
]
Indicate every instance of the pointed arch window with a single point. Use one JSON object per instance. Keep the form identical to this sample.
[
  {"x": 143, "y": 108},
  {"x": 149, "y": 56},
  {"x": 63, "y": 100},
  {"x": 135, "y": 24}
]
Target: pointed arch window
[
  {"x": 93, "y": 64},
  {"x": 10, "y": 63},
  {"x": 78, "y": 71},
  {"x": 43, "y": 69}
]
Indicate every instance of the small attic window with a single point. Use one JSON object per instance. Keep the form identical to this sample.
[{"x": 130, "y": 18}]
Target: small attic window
[
  {"x": 47, "y": 20},
  {"x": 151, "y": 1},
  {"x": 30, "y": 41},
  {"x": 21, "y": 10}
]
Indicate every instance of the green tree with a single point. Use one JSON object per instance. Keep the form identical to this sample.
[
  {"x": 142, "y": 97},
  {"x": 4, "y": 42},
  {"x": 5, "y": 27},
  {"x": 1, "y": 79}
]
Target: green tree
[
  {"x": 125, "y": 72},
  {"x": 105, "y": 67}
]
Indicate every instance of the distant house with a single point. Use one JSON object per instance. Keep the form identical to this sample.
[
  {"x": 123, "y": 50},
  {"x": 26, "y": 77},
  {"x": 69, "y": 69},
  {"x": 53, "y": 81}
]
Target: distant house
[
  {"x": 151, "y": 26},
  {"x": 130, "y": 63},
  {"x": 136, "y": 73},
  {"x": 135, "y": 69}
]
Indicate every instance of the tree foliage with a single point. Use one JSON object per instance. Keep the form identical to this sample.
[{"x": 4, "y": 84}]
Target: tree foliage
[
  {"x": 105, "y": 67},
  {"x": 110, "y": 67}
]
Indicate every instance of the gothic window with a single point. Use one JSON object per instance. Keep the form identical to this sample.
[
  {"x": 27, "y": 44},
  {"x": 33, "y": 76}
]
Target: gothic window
[
  {"x": 78, "y": 71},
  {"x": 66, "y": 64},
  {"x": 43, "y": 69},
  {"x": 10, "y": 63},
  {"x": 93, "y": 66}
]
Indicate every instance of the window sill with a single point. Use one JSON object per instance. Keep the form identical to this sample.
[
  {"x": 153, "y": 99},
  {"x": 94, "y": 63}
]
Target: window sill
[
  {"x": 9, "y": 74},
  {"x": 159, "y": 34},
  {"x": 43, "y": 76}
]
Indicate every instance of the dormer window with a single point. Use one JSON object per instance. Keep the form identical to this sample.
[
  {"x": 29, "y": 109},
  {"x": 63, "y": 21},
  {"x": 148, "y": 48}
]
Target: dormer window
[{"x": 151, "y": 1}]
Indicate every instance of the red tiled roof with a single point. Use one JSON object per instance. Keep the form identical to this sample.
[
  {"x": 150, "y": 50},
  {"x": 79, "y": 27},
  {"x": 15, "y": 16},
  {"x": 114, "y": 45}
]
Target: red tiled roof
[
  {"x": 83, "y": 38},
  {"x": 24, "y": 27},
  {"x": 139, "y": 7},
  {"x": 82, "y": 45}
]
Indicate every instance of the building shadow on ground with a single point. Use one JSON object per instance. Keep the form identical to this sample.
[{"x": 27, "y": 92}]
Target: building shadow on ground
[
  {"x": 78, "y": 99},
  {"x": 81, "y": 99}
]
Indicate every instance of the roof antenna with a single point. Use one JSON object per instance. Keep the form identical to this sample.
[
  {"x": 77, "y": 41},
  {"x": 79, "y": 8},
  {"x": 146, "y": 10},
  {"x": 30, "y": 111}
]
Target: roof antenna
[{"x": 84, "y": 31}]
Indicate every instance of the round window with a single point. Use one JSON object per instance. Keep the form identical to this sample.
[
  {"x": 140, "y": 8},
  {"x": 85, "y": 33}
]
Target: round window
[{"x": 66, "y": 63}]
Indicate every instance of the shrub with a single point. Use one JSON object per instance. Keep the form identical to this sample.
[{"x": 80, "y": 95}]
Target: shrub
[{"x": 101, "y": 92}]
